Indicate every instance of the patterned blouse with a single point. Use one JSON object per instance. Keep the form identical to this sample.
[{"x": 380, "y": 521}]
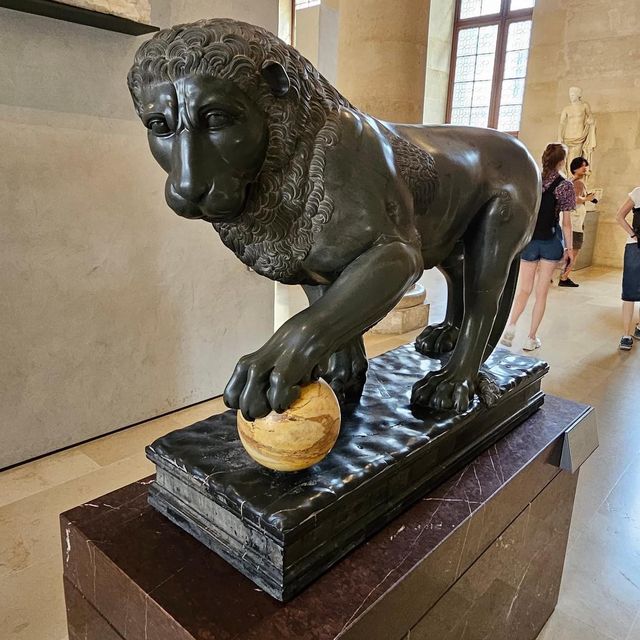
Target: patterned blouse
[{"x": 564, "y": 192}]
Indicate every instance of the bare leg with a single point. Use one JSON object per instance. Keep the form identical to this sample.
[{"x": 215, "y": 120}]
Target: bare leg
[
  {"x": 526, "y": 278},
  {"x": 627, "y": 317},
  {"x": 545, "y": 270}
]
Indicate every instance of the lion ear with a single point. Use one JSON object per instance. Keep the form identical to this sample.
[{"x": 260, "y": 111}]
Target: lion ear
[{"x": 276, "y": 77}]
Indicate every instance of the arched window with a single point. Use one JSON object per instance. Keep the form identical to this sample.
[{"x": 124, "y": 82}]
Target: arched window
[{"x": 489, "y": 63}]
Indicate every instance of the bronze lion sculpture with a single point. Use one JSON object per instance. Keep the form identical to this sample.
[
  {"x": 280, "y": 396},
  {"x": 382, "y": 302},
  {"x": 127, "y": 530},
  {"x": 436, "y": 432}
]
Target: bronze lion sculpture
[{"x": 305, "y": 189}]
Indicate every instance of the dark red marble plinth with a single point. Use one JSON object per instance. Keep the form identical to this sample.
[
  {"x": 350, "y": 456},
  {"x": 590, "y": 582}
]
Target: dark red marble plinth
[{"x": 483, "y": 553}]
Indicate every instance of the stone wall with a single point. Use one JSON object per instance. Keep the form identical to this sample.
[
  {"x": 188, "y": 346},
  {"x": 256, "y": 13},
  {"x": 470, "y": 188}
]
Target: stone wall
[
  {"x": 114, "y": 309},
  {"x": 382, "y": 57},
  {"x": 595, "y": 45}
]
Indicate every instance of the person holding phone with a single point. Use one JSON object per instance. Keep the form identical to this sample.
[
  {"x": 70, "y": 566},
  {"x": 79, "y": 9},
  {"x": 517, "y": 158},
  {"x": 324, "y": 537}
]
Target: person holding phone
[
  {"x": 541, "y": 256},
  {"x": 631, "y": 268},
  {"x": 579, "y": 167}
]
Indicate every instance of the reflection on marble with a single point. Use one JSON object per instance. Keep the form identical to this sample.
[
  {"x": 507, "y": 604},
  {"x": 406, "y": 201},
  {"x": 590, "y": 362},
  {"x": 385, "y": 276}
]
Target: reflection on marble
[{"x": 142, "y": 573}]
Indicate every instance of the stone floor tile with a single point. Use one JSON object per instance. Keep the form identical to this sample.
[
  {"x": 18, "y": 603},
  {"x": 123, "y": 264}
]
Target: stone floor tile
[
  {"x": 26, "y": 480},
  {"x": 561, "y": 626},
  {"x": 29, "y": 528},
  {"x": 32, "y": 604}
]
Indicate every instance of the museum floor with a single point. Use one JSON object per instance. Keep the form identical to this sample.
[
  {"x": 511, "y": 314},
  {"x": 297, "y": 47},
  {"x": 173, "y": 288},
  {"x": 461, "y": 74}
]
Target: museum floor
[{"x": 600, "y": 595}]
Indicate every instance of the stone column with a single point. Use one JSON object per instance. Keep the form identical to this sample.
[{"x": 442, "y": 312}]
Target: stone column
[
  {"x": 382, "y": 57},
  {"x": 382, "y": 60}
]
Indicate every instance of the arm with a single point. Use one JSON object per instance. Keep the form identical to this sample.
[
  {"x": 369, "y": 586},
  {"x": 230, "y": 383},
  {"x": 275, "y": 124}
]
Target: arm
[
  {"x": 591, "y": 123},
  {"x": 566, "y": 199},
  {"x": 581, "y": 192},
  {"x": 563, "y": 123},
  {"x": 367, "y": 289},
  {"x": 621, "y": 217},
  {"x": 567, "y": 233},
  {"x": 588, "y": 114}
]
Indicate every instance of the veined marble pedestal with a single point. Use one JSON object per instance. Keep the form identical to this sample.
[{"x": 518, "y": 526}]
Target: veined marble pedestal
[{"x": 483, "y": 552}]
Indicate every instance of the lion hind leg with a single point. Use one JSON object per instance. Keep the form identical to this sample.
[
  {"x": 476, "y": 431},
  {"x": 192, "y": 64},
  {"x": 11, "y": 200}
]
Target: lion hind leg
[
  {"x": 441, "y": 338},
  {"x": 506, "y": 300},
  {"x": 491, "y": 245}
]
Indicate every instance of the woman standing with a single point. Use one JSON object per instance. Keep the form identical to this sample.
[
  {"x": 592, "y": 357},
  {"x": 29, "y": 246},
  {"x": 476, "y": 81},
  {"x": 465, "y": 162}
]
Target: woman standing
[
  {"x": 540, "y": 257},
  {"x": 631, "y": 268},
  {"x": 579, "y": 167}
]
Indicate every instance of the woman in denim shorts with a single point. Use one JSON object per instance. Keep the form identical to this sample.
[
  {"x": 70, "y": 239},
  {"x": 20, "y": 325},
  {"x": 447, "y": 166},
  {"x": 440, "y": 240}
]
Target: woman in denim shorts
[
  {"x": 631, "y": 268},
  {"x": 552, "y": 242}
]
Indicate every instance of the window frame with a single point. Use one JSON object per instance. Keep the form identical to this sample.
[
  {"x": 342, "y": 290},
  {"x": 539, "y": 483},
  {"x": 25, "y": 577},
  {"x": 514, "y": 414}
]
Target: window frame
[{"x": 502, "y": 19}]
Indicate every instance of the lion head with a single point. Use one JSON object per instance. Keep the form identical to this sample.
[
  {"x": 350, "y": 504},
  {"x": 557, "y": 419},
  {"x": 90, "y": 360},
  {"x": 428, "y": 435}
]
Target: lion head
[{"x": 241, "y": 122}]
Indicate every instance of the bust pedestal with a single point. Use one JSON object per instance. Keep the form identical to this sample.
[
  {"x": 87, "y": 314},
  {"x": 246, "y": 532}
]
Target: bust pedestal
[{"x": 412, "y": 312}]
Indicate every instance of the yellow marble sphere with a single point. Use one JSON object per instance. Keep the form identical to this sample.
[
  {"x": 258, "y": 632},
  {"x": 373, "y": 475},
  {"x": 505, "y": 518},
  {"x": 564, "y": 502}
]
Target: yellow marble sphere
[{"x": 298, "y": 438}]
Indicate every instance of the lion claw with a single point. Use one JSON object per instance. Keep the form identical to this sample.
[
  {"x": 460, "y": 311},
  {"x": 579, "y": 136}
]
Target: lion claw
[
  {"x": 437, "y": 339},
  {"x": 347, "y": 372},
  {"x": 444, "y": 391}
]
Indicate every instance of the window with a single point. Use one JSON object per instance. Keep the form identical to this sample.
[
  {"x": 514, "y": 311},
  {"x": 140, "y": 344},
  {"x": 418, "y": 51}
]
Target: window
[
  {"x": 489, "y": 63},
  {"x": 305, "y": 4}
]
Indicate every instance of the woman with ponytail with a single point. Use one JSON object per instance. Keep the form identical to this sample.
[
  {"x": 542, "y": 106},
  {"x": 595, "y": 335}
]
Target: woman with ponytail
[{"x": 541, "y": 256}]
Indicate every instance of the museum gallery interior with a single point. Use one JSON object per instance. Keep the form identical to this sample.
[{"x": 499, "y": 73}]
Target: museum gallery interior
[{"x": 319, "y": 320}]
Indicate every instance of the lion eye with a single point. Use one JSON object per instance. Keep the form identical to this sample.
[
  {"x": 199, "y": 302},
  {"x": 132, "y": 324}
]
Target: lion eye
[
  {"x": 218, "y": 119},
  {"x": 158, "y": 126}
]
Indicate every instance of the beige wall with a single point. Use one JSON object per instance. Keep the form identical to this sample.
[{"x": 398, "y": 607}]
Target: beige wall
[
  {"x": 441, "y": 17},
  {"x": 382, "y": 57},
  {"x": 113, "y": 309},
  {"x": 593, "y": 44}
]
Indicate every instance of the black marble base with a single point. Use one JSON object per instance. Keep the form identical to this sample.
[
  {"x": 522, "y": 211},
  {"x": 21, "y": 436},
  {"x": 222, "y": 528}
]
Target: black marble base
[{"x": 284, "y": 530}]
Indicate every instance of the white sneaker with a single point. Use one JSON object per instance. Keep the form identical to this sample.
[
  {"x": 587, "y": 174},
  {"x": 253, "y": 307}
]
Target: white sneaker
[
  {"x": 532, "y": 344},
  {"x": 508, "y": 335}
]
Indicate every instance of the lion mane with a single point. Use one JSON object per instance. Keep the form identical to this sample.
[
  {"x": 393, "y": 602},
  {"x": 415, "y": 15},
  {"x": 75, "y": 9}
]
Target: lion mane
[{"x": 288, "y": 203}]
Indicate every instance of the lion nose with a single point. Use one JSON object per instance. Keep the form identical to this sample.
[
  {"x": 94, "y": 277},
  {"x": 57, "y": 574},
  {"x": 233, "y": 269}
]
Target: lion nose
[
  {"x": 188, "y": 179},
  {"x": 190, "y": 189}
]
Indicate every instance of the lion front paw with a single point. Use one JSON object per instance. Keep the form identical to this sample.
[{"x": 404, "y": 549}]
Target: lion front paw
[
  {"x": 437, "y": 339},
  {"x": 347, "y": 371},
  {"x": 444, "y": 390}
]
